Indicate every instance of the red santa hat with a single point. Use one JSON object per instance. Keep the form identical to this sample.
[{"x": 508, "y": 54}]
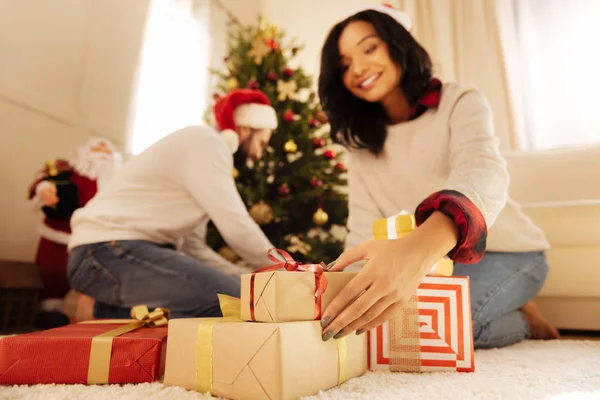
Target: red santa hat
[
  {"x": 400, "y": 16},
  {"x": 243, "y": 108}
]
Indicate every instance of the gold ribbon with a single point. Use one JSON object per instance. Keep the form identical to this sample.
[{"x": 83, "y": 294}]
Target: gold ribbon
[
  {"x": 230, "y": 308},
  {"x": 101, "y": 350}
]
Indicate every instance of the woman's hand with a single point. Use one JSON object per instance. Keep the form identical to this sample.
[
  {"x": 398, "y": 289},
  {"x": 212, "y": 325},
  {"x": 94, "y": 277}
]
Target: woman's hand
[
  {"x": 394, "y": 270},
  {"x": 49, "y": 197}
]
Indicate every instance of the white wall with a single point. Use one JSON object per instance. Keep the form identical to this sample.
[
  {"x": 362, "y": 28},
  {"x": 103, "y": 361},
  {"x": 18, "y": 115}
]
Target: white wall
[
  {"x": 69, "y": 70},
  {"x": 66, "y": 74}
]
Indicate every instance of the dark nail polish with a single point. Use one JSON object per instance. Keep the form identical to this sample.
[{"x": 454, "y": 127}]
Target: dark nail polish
[
  {"x": 325, "y": 321},
  {"x": 327, "y": 335},
  {"x": 330, "y": 265},
  {"x": 339, "y": 334},
  {"x": 360, "y": 331}
]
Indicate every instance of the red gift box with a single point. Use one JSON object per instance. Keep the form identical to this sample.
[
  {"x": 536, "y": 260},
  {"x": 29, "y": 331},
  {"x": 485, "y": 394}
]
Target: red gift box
[
  {"x": 62, "y": 355},
  {"x": 432, "y": 333}
]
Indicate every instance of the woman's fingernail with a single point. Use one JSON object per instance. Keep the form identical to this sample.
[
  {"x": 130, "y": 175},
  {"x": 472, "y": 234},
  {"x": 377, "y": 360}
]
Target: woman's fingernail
[
  {"x": 327, "y": 335},
  {"x": 360, "y": 331},
  {"x": 339, "y": 334},
  {"x": 325, "y": 321},
  {"x": 330, "y": 265}
]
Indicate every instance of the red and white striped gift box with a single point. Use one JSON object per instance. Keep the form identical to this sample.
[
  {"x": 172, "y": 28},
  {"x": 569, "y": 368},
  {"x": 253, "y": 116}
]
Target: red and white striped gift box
[{"x": 433, "y": 333}]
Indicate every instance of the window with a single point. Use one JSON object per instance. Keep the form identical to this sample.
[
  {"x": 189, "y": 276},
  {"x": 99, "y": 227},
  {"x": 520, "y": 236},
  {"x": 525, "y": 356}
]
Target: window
[
  {"x": 172, "y": 81},
  {"x": 559, "y": 62}
]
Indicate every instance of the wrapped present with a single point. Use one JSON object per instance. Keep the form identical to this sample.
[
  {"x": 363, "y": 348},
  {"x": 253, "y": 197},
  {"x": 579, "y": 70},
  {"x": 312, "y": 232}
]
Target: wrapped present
[
  {"x": 246, "y": 360},
  {"x": 289, "y": 290},
  {"x": 100, "y": 351},
  {"x": 400, "y": 225},
  {"x": 432, "y": 333}
]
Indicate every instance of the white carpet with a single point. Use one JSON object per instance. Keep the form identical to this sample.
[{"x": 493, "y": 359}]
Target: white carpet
[{"x": 558, "y": 370}]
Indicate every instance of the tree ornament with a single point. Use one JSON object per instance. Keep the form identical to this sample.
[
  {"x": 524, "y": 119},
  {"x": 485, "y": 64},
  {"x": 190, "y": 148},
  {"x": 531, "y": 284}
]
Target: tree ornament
[
  {"x": 290, "y": 146},
  {"x": 320, "y": 217},
  {"x": 341, "y": 166},
  {"x": 316, "y": 182},
  {"x": 283, "y": 190},
  {"x": 227, "y": 253},
  {"x": 216, "y": 96},
  {"x": 313, "y": 123},
  {"x": 294, "y": 50},
  {"x": 232, "y": 83},
  {"x": 288, "y": 72},
  {"x": 260, "y": 49},
  {"x": 290, "y": 116},
  {"x": 321, "y": 117},
  {"x": 330, "y": 154},
  {"x": 272, "y": 76},
  {"x": 261, "y": 213},
  {"x": 298, "y": 246},
  {"x": 235, "y": 173},
  {"x": 318, "y": 142},
  {"x": 286, "y": 90},
  {"x": 253, "y": 84},
  {"x": 272, "y": 43}
]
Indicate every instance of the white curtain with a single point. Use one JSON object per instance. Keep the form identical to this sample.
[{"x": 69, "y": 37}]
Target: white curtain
[
  {"x": 171, "y": 90},
  {"x": 465, "y": 39},
  {"x": 559, "y": 62}
]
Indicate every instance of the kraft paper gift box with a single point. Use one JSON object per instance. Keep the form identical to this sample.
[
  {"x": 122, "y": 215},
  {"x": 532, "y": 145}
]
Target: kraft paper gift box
[
  {"x": 432, "y": 333},
  {"x": 110, "y": 351},
  {"x": 234, "y": 359},
  {"x": 401, "y": 225},
  {"x": 288, "y": 290}
]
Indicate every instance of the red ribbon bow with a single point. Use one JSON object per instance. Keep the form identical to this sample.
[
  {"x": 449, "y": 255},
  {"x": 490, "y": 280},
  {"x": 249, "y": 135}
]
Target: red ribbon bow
[{"x": 289, "y": 264}]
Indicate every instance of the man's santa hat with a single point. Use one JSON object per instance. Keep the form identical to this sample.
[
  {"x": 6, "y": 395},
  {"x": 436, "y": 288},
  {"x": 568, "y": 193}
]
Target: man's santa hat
[
  {"x": 243, "y": 108},
  {"x": 400, "y": 16}
]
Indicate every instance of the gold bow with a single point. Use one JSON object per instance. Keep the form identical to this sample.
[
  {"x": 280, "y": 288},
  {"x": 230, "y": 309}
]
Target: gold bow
[{"x": 101, "y": 350}]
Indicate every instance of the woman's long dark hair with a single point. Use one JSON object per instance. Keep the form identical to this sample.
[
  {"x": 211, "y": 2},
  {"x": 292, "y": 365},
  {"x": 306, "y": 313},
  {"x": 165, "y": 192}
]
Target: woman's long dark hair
[{"x": 356, "y": 123}]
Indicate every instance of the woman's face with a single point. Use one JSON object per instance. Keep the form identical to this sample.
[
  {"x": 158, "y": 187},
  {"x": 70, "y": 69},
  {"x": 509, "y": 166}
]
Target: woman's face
[{"x": 369, "y": 73}]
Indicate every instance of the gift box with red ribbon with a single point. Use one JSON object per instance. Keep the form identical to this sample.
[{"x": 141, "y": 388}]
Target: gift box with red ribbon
[
  {"x": 433, "y": 332},
  {"x": 289, "y": 290},
  {"x": 101, "y": 351}
]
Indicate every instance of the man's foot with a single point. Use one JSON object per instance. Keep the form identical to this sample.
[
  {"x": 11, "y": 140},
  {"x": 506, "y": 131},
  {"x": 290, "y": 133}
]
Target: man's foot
[{"x": 539, "y": 327}]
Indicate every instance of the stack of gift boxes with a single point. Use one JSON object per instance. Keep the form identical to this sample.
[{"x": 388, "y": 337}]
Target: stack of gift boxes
[{"x": 267, "y": 344}]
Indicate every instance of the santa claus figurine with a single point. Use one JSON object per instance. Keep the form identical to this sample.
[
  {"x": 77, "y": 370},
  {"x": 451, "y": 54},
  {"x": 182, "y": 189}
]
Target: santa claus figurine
[{"x": 61, "y": 188}]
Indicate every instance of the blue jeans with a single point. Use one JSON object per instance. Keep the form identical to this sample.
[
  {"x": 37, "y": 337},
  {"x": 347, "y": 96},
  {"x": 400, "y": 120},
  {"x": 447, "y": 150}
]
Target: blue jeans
[
  {"x": 122, "y": 274},
  {"x": 501, "y": 283}
]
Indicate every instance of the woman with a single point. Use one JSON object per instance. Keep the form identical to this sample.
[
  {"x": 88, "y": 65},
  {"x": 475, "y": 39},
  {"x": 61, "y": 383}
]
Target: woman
[{"x": 417, "y": 144}]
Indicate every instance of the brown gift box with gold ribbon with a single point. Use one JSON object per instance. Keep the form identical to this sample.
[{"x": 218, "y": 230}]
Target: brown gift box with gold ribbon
[
  {"x": 289, "y": 291},
  {"x": 101, "y": 351},
  {"x": 248, "y": 360}
]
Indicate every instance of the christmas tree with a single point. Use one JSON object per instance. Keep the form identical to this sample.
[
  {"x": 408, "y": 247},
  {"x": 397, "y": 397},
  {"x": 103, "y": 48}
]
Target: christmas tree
[{"x": 293, "y": 192}]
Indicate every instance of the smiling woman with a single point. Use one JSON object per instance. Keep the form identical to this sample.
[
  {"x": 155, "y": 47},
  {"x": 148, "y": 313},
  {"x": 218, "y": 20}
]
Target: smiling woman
[{"x": 417, "y": 144}]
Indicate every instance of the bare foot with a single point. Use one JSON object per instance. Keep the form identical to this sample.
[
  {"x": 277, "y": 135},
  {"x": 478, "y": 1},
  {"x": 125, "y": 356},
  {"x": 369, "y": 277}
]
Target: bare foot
[
  {"x": 85, "y": 308},
  {"x": 539, "y": 327}
]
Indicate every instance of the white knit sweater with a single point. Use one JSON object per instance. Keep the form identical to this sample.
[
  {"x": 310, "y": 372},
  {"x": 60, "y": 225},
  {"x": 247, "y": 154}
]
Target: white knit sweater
[
  {"x": 451, "y": 147},
  {"x": 168, "y": 194}
]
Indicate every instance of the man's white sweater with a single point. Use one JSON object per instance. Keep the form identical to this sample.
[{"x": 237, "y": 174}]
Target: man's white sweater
[{"x": 168, "y": 194}]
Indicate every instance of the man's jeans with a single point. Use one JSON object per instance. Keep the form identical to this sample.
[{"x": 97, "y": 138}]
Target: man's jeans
[
  {"x": 501, "y": 283},
  {"x": 122, "y": 274}
]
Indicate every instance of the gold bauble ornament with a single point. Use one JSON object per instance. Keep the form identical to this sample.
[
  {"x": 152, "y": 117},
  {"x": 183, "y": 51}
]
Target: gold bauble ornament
[
  {"x": 261, "y": 213},
  {"x": 227, "y": 253},
  {"x": 320, "y": 217},
  {"x": 235, "y": 173},
  {"x": 232, "y": 83},
  {"x": 290, "y": 146}
]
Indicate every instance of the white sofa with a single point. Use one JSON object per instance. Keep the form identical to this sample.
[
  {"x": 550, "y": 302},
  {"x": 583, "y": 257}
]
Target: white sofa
[{"x": 560, "y": 191}]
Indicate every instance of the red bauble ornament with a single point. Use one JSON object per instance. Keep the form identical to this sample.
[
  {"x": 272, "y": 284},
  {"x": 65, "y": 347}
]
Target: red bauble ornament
[
  {"x": 288, "y": 72},
  {"x": 321, "y": 117},
  {"x": 272, "y": 76},
  {"x": 216, "y": 96},
  {"x": 252, "y": 84},
  {"x": 313, "y": 123},
  {"x": 329, "y": 154},
  {"x": 294, "y": 50},
  {"x": 283, "y": 190},
  {"x": 318, "y": 142},
  {"x": 341, "y": 166},
  {"x": 272, "y": 43},
  {"x": 289, "y": 116},
  {"x": 316, "y": 182}
]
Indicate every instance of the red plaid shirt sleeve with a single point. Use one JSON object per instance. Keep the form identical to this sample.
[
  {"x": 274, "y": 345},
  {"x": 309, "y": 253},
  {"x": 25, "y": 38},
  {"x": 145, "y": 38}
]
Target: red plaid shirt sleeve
[{"x": 469, "y": 220}]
